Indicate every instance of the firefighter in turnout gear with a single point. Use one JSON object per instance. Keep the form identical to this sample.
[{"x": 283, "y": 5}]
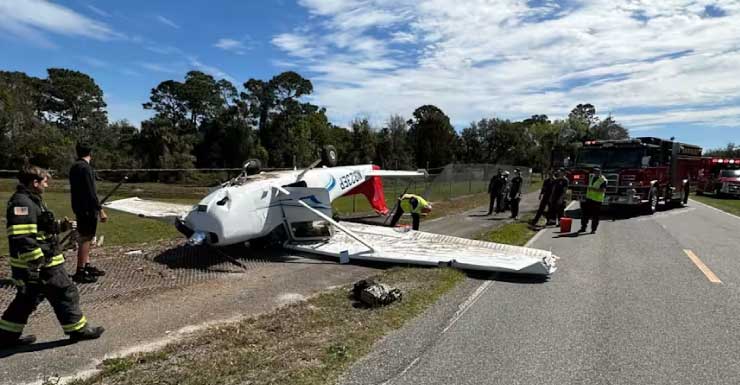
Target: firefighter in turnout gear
[
  {"x": 413, "y": 204},
  {"x": 591, "y": 206},
  {"x": 37, "y": 264},
  {"x": 515, "y": 193}
]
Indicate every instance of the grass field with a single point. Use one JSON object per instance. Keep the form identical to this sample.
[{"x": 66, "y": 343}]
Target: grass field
[
  {"x": 517, "y": 233},
  {"x": 309, "y": 343},
  {"x": 729, "y": 205}
]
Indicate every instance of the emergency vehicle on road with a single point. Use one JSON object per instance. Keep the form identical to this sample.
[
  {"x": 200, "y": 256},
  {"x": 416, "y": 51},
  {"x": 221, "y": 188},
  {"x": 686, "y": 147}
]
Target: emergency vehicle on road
[
  {"x": 719, "y": 176},
  {"x": 640, "y": 172}
]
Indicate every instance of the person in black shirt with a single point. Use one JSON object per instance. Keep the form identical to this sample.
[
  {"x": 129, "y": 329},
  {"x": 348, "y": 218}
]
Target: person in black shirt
[
  {"x": 556, "y": 208},
  {"x": 515, "y": 193},
  {"x": 87, "y": 209},
  {"x": 495, "y": 189},
  {"x": 544, "y": 198}
]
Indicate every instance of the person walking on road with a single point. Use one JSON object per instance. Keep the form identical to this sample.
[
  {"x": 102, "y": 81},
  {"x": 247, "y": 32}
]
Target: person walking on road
[
  {"x": 591, "y": 206},
  {"x": 87, "y": 210},
  {"x": 515, "y": 193},
  {"x": 495, "y": 190},
  {"x": 37, "y": 265},
  {"x": 414, "y": 204},
  {"x": 556, "y": 206},
  {"x": 545, "y": 193}
]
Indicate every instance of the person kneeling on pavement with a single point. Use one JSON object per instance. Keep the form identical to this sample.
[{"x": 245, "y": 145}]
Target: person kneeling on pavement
[
  {"x": 37, "y": 265},
  {"x": 413, "y": 204}
]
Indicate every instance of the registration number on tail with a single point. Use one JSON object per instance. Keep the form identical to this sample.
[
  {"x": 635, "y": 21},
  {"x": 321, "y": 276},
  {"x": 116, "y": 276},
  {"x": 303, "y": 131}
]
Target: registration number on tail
[{"x": 350, "y": 179}]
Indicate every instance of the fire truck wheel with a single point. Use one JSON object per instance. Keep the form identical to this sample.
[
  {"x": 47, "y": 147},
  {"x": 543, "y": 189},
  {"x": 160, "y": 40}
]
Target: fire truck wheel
[{"x": 652, "y": 205}]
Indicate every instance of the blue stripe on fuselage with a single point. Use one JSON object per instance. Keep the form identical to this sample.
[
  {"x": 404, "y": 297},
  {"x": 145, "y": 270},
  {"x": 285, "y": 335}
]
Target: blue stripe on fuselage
[{"x": 332, "y": 183}]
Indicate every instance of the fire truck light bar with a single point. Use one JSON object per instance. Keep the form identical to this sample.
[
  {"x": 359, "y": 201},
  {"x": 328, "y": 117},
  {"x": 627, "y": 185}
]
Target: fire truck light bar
[{"x": 728, "y": 161}]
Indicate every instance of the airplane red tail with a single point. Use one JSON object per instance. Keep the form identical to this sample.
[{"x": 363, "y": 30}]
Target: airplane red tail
[{"x": 372, "y": 189}]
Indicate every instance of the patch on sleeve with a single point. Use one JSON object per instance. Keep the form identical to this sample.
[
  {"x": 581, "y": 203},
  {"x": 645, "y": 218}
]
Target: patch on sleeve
[{"x": 20, "y": 210}]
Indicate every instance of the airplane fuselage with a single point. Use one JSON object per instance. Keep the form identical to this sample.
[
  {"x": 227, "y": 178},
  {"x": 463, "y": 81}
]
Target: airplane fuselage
[{"x": 241, "y": 212}]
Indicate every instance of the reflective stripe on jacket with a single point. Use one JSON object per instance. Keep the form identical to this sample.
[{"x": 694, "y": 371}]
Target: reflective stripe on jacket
[
  {"x": 406, "y": 203},
  {"x": 594, "y": 192}
]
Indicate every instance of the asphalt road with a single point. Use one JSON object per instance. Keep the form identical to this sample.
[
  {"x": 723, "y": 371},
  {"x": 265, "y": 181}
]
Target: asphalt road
[{"x": 627, "y": 306}]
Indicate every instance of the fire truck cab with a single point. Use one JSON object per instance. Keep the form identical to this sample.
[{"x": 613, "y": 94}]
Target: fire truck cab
[
  {"x": 719, "y": 176},
  {"x": 640, "y": 172}
]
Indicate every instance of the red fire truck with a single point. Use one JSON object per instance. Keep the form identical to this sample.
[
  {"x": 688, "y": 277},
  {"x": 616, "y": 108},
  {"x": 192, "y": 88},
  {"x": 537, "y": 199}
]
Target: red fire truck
[
  {"x": 641, "y": 172},
  {"x": 719, "y": 176}
]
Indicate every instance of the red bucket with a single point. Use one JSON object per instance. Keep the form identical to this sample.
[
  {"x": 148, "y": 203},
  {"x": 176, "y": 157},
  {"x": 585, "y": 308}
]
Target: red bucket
[{"x": 565, "y": 224}]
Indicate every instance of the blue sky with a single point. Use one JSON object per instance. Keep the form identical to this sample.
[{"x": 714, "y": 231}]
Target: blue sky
[{"x": 661, "y": 67}]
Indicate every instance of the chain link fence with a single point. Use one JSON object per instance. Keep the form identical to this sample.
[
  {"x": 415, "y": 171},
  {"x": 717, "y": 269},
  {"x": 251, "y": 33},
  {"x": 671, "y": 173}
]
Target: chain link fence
[{"x": 447, "y": 183}]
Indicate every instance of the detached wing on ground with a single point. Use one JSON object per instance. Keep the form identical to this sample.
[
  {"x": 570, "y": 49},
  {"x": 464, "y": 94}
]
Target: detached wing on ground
[
  {"x": 164, "y": 211},
  {"x": 427, "y": 249}
]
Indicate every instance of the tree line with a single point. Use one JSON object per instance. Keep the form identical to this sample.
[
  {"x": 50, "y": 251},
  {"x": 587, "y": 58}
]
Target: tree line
[{"x": 204, "y": 122}]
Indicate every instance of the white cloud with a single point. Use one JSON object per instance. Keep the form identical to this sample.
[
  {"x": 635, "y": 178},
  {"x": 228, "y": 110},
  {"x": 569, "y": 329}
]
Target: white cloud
[
  {"x": 298, "y": 45},
  {"x": 478, "y": 58},
  {"x": 162, "y": 68},
  {"x": 30, "y": 19},
  {"x": 232, "y": 45},
  {"x": 94, "y": 62},
  {"x": 211, "y": 70},
  {"x": 167, "y": 22},
  {"x": 98, "y": 11}
]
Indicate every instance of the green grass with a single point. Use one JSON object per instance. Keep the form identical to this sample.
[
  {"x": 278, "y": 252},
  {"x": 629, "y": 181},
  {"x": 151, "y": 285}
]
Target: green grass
[
  {"x": 309, "y": 343},
  {"x": 729, "y": 205},
  {"x": 121, "y": 228},
  {"x": 517, "y": 233}
]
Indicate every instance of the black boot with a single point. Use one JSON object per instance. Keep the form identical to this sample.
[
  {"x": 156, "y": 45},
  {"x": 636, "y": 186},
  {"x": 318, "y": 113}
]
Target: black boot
[
  {"x": 87, "y": 333},
  {"x": 83, "y": 276},
  {"x": 10, "y": 340},
  {"x": 94, "y": 271}
]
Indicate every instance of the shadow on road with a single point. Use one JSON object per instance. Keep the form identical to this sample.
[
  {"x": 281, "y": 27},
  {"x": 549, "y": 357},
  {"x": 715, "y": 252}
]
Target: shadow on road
[
  {"x": 35, "y": 347},
  {"x": 506, "y": 277}
]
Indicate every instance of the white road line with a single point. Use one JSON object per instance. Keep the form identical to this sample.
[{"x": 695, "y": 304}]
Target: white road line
[
  {"x": 475, "y": 296},
  {"x": 468, "y": 304},
  {"x": 411, "y": 365},
  {"x": 715, "y": 209}
]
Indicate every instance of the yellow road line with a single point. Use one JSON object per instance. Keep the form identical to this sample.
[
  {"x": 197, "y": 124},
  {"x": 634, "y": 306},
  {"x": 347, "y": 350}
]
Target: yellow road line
[{"x": 704, "y": 269}]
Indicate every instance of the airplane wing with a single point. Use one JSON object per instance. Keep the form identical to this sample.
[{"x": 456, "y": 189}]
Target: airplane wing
[
  {"x": 395, "y": 173},
  {"x": 164, "y": 211},
  {"x": 427, "y": 249}
]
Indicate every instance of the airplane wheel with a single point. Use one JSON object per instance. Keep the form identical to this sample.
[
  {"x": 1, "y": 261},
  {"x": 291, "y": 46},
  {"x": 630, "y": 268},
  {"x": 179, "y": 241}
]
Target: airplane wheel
[
  {"x": 253, "y": 166},
  {"x": 329, "y": 156}
]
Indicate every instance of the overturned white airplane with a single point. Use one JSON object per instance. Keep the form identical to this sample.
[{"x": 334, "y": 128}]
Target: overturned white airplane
[{"x": 293, "y": 209}]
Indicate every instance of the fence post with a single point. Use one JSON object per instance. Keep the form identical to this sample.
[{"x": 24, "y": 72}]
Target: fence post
[{"x": 354, "y": 204}]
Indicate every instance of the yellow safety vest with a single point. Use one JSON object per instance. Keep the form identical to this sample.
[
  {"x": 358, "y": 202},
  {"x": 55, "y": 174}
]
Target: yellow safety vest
[
  {"x": 594, "y": 193},
  {"x": 406, "y": 203}
]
